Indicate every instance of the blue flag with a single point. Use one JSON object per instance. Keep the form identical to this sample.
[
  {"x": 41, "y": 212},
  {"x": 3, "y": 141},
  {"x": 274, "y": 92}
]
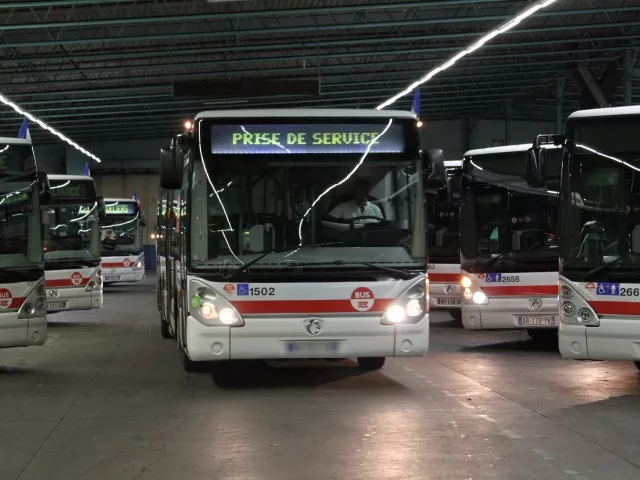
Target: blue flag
[
  {"x": 85, "y": 170},
  {"x": 135, "y": 196},
  {"x": 415, "y": 106},
  {"x": 24, "y": 130}
]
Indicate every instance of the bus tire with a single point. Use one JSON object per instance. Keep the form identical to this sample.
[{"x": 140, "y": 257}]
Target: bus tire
[
  {"x": 637, "y": 364},
  {"x": 164, "y": 328},
  {"x": 369, "y": 364},
  {"x": 456, "y": 315}
]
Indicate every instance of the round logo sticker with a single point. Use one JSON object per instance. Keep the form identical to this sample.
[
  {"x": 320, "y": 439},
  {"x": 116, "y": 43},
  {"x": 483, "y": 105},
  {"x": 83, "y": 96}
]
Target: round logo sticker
[
  {"x": 229, "y": 288},
  {"x": 76, "y": 278},
  {"x": 5, "y": 298},
  {"x": 127, "y": 262},
  {"x": 362, "y": 299}
]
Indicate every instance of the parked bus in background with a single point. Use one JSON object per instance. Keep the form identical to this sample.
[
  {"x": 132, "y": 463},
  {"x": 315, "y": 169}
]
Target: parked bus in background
[
  {"x": 72, "y": 244},
  {"x": 443, "y": 239},
  {"x": 509, "y": 242},
  {"x": 281, "y": 250},
  {"x": 23, "y": 312},
  {"x": 121, "y": 241},
  {"x": 600, "y": 233}
]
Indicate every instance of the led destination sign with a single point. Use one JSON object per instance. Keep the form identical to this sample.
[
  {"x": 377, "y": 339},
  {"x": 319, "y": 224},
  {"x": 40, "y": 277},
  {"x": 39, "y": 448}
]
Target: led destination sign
[
  {"x": 120, "y": 208},
  {"x": 70, "y": 191},
  {"x": 304, "y": 139}
]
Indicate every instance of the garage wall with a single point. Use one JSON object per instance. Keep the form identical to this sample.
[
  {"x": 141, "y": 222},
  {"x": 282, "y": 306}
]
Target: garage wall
[{"x": 124, "y": 185}]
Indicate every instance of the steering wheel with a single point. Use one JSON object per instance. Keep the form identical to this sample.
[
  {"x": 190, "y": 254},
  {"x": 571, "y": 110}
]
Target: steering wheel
[{"x": 352, "y": 221}]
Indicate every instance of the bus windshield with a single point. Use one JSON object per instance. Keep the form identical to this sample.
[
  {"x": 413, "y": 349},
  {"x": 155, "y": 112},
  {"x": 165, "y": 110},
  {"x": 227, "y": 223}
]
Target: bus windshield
[
  {"x": 602, "y": 207},
  {"x": 20, "y": 232},
  {"x": 443, "y": 227},
  {"x": 70, "y": 222},
  {"x": 506, "y": 224},
  {"x": 120, "y": 230},
  {"x": 335, "y": 208}
]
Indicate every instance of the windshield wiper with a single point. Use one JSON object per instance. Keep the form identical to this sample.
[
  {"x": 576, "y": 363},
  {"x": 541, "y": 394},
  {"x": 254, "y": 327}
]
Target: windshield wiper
[
  {"x": 246, "y": 266},
  {"x": 393, "y": 272},
  {"x": 606, "y": 266}
]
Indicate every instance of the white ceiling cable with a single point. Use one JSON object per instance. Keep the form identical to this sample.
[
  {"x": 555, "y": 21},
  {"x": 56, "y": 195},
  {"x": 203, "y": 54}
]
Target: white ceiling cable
[
  {"x": 470, "y": 49},
  {"x": 47, "y": 127}
]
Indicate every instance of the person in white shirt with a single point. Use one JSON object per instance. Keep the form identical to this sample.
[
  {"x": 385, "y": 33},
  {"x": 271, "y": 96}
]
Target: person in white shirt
[{"x": 359, "y": 206}]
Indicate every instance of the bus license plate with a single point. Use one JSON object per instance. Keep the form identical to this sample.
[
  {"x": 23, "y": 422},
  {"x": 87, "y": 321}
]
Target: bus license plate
[
  {"x": 537, "y": 320},
  {"x": 311, "y": 348},
  {"x": 112, "y": 278},
  {"x": 56, "y": 305},
  {"x": 448, "y": 301}
]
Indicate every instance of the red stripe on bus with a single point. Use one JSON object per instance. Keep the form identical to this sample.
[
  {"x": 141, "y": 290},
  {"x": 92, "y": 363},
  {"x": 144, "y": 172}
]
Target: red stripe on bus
[
  {"x": 520, "y": 290},
  {"x": 444, "y": 277},
  {"x": 311, "y": 307},
  {"x": 16, "y": 303},
  {"x": 116, "y": 265},
  {"x": 65, "y": 282},
  {"x": 615, "y": 308}
]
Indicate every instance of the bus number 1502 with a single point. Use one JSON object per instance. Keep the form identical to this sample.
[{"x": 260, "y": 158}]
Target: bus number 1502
[{"x": 262, "y": 291}]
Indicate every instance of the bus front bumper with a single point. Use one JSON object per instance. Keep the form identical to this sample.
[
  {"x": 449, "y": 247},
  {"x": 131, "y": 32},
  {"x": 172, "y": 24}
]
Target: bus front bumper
[
  {"x": 64, "y": 299},
  {"x": 511, "y": 313},
  {"x": 286, "y": 338},
  {"x": 614, "y": 339},
  {"x": 117, "y": 275},
  {"x": 22, "y": 332},
  {"x": 445, "y": 296}
]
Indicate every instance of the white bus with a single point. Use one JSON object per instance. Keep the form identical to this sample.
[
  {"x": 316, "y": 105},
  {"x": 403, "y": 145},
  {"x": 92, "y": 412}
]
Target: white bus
[
  {"x": 443, "y": 238},
  {"x": 509, "y": 242},
  {"x": 600, "y": 234},
  {"x": 121, "y": 241},
  {"x": 72, "y": 244},
  {"x": 23, "y": 313},
  {"x": 279, "y": 247}
]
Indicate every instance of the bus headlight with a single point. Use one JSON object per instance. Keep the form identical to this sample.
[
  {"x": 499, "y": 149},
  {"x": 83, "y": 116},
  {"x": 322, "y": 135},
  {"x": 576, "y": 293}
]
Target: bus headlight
[
  {"x": 479, "y": 298},
  {"x": 34, "y": 304},
  {"x": 395, "y": 314},
  {"x": 210, "y": 308},
  {"x": 467, "y": 294},
  {"x": 409, "y": 307},
  {"x": 466, "y": 282}
]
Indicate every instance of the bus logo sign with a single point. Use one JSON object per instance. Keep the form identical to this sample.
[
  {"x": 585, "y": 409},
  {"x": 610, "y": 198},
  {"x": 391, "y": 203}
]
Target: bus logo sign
[
  {"x": 362, "y": 299},
  {"x": 229, "y": 289},
  {"x": 313, "y": 326},
  {"x": 126, "y": 262},
  {"x": 76, "y": 278},
  {"x": 5, "y": 298}
]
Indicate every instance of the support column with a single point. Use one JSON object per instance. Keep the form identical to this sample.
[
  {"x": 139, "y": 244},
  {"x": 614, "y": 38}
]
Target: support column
[
  {"x": 628, "y": 69},
  {"x": 507, "y": 123},
  {"x": 559, "y": 96}
]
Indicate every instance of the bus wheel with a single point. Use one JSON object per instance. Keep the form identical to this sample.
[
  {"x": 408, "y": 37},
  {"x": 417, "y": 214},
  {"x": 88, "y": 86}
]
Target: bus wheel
[
  {"x": 164, "y": 328},
  {"x": 189, "y": 365},
  {"x": 368, "y": 364},
  {"x": 456, "y": 315},
  {"x": 637, "y": 364}
]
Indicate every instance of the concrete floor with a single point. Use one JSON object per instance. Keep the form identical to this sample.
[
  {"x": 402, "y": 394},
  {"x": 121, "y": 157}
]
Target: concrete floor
[{"x": 106, "y": 398}]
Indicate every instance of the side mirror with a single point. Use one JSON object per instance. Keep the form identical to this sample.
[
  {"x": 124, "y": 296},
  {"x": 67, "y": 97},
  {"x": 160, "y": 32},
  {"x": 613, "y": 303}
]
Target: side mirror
[
  {"x": 143, "y": 221},
  {"x": 433, "y": 161},
  {"x": 536, "y": 158},
  {"x": 44, "y": 188},
  {"x": 170, "y": 168},
  {"x": 102, "y": 211}
]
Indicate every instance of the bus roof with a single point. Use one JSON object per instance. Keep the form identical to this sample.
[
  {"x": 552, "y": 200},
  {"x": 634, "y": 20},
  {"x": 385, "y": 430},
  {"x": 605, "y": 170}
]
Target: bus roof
[
  {"x": 53, "y": 176},
  {"x": 606, "y": 112},
  {"x": 14, "y": 141},
  {"x": 523, "y": 147},
  {"x": 305, "y": 113}
]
